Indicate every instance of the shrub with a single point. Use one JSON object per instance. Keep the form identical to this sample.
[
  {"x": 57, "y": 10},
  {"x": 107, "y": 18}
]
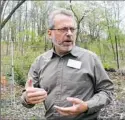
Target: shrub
[{"x": 19, "y": 76}]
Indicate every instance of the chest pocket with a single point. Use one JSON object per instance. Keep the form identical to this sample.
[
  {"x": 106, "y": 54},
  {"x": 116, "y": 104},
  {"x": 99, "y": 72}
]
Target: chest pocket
[
  {"x": 75, "y": 75},
  {"x": 78, "y": 83},
  {"x": 79, "y": 77}
]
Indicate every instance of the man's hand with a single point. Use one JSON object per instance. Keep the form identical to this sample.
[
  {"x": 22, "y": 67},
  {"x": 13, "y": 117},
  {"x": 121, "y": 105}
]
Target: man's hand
[
  {"x": 34, "y": 95},
  {"x": 78, "y": 107}
]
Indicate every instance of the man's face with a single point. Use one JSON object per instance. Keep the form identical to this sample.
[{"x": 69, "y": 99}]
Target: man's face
[{"x": 63, "y": 34}]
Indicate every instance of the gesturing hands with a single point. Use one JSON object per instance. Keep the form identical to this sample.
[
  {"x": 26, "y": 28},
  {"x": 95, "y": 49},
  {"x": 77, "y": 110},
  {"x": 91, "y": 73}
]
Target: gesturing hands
[
  {"x": 34, "y": 95},
  {"x": 78, "y": 107}
]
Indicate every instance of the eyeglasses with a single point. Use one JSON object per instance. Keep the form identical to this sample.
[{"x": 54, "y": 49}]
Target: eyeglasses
[{"x": 65, "y": 29}]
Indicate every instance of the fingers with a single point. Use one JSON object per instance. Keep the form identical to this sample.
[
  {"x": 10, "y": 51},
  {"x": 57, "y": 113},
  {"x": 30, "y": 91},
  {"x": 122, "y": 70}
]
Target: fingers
[
  {"x": 66, "y": 111},
  {"x": 78, "y": 107},
  {"x": 35, "y": 95},
  {"x": 35, "y": 92},
  {"x": 36, "y": 100},
  {"x": 60, "y": 110},
  {"x": 63, "y": 113},
  {"x": 74, "y": 100}
]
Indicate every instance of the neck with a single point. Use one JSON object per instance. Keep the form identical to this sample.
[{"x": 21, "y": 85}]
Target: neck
[{"x": 61, "y": 53}]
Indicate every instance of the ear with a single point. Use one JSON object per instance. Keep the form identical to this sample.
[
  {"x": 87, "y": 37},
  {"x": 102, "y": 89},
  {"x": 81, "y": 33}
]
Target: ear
[{"x": 50, "y": 34}]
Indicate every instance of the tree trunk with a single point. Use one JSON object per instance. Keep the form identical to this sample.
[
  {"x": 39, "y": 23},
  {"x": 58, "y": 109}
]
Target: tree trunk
[
  {"x": 117, "y": 54},
  {"x": 11, "y": 13}
]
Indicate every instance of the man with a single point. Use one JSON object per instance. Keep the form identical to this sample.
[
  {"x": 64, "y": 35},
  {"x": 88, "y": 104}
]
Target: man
[{"x": 71, "y": 81}]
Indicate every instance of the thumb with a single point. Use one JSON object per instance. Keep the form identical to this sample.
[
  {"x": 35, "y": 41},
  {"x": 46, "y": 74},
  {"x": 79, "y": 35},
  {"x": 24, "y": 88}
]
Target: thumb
[
  {"x": 73, "y": 100},
  {"x": 30, "y": 83}
]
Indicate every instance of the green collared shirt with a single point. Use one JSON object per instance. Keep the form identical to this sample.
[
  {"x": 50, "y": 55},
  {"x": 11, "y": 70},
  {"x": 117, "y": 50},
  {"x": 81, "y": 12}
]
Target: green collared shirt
[{"x": 83, "y": 78}]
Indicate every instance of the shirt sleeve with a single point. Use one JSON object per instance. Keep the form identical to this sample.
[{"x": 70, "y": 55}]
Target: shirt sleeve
[{"x": 103, "y": 88}]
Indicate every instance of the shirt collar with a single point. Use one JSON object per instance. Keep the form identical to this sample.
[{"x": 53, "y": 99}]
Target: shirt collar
[
  {"x": 74, "y": 51},
  {"x": 51, "y": 54}
]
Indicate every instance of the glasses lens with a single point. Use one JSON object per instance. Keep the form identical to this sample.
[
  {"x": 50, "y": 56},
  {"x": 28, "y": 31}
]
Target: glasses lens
[
  {"x": 66, "y": 29},
  {"x": 72, "y": 29}
]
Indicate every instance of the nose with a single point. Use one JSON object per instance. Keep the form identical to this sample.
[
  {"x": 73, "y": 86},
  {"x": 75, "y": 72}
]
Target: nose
[{"x": 69, "y": 32}]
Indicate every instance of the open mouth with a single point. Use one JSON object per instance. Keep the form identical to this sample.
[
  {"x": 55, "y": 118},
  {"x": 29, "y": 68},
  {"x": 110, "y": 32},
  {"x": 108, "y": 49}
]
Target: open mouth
[{"x": 68, "y": 42}]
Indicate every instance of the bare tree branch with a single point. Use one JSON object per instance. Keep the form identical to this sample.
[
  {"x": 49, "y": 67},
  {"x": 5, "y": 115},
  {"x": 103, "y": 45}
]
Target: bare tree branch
[
  {"x": 2, "y": 5},
  {"x": 73, "y": 11},
  {"x": 4, "y": 8},
  {"x": 78, "y": 20},
  {"x": 11, "y": 13}
]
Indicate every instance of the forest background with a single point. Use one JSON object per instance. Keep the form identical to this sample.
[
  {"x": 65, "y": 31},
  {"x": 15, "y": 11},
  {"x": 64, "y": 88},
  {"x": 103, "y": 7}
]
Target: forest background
[{"x": 101, "y": 29}]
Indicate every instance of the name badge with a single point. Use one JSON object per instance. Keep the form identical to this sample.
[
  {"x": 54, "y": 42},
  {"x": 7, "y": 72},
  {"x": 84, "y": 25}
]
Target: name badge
[{"x": 74, "y": 64}]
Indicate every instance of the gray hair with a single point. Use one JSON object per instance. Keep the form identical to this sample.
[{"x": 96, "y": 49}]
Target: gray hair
[{"x": 57, "y": 12}]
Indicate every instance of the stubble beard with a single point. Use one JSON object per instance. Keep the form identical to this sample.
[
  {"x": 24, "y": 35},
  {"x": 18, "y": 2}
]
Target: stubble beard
[{"x": 59, "y": 45}]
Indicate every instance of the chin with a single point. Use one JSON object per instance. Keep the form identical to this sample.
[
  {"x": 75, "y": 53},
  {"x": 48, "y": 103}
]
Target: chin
[{"x": 67, "y": 48}]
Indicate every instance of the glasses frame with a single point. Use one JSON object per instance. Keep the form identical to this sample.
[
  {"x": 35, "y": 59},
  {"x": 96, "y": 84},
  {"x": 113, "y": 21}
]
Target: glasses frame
[{"x": 65, "y": 29}]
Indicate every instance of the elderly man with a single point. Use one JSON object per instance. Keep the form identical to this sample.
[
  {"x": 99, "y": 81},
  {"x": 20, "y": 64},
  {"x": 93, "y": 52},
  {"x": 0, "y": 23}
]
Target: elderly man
[{"x": 70, "y": 80}]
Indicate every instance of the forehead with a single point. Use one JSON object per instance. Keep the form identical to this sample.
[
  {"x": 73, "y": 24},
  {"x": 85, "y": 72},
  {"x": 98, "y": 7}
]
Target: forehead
[{"x": 64, "y": 20}]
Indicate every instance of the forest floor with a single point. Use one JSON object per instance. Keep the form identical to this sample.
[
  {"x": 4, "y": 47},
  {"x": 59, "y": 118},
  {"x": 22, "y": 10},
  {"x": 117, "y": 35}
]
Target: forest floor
[{"x": 15, "y": 111}]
